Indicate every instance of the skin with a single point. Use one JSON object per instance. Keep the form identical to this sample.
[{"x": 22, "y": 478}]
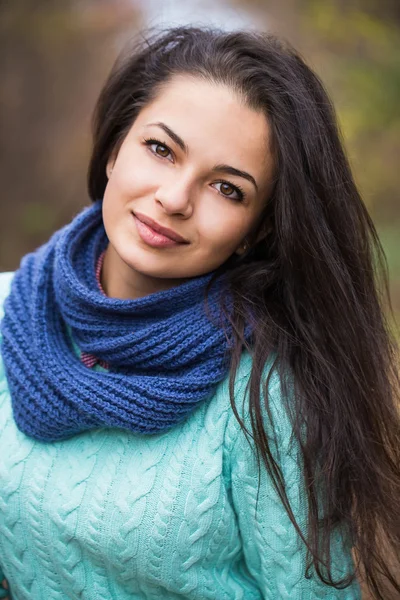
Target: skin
[{"x": 180, "y": 191}]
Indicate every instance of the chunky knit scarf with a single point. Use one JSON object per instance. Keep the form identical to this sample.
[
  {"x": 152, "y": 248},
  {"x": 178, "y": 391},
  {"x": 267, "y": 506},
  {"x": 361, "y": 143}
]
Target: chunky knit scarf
[{"x": 166, "y": 353}]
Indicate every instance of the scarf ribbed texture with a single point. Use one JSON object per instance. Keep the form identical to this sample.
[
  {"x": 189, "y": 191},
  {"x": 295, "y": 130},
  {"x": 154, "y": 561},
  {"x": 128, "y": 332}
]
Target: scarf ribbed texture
[{"x": 165, "y": 353}]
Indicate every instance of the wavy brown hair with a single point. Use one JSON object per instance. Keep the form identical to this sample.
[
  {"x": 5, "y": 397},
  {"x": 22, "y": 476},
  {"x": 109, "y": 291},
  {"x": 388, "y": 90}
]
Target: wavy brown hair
[{"x": 314, "y": 279}]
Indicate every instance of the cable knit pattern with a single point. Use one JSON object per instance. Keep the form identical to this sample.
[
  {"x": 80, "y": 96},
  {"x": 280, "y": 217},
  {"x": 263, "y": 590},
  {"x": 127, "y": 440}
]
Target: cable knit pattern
[
  {"x": 117, "y": 515},
  {"x": 166, "y": 352}
]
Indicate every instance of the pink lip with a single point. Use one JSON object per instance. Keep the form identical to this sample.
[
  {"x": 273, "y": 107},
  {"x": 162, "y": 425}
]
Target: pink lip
[
  {"x": 152, "y": 237},
  {"x": 164, "y": 231}
]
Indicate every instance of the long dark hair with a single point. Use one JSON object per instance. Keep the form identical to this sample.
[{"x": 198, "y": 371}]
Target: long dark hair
[{"x": 314, "y": 279}]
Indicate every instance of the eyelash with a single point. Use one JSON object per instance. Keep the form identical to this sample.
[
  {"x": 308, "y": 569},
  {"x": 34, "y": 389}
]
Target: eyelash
[{"x": 237, "y": 188}]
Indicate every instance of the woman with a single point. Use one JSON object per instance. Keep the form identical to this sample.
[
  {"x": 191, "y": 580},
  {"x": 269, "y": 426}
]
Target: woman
[{"x": 199, "y": 388}]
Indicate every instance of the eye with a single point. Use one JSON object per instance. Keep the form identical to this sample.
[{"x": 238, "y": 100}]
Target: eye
[
  {"x": 161, "y": 150},
  {"x": 227, "y": 189}
]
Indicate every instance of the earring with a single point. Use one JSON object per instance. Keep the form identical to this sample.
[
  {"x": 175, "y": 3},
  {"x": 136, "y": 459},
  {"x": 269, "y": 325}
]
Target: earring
[{"x": 244, "y": 248}]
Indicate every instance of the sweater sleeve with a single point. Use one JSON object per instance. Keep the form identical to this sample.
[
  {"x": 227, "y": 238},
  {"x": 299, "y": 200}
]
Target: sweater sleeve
[
  {"x": 274, "y": 554},
  {"x": 5, "y": 283}
]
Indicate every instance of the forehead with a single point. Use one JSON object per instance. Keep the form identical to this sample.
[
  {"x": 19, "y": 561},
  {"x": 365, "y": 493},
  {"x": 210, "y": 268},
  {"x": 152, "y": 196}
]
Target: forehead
[{"x": 213, "y": 116}]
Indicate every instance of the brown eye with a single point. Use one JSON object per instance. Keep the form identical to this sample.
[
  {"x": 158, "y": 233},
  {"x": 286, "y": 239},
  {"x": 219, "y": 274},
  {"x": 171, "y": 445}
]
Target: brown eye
[
  {"x": 158, "y": 148},
  {"x": 226, "y": 189},
  {"x": 164, "y": 150}
]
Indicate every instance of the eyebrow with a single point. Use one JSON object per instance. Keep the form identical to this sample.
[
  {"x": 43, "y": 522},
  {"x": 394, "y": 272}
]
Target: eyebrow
[{"x": 221, "y": 167}]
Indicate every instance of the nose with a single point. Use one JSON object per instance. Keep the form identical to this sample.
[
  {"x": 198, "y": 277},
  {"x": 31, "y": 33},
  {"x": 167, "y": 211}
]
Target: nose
[{"x": 175, "y": 196}]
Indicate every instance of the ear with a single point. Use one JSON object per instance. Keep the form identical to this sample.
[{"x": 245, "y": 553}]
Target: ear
[
  {"x": 251, "y": 241},
  {"x": 110, "y": 165}
]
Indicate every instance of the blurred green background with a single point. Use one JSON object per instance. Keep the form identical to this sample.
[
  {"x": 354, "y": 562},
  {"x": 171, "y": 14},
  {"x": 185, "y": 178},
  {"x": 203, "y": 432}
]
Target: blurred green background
[{"x": 57, "y": 53}]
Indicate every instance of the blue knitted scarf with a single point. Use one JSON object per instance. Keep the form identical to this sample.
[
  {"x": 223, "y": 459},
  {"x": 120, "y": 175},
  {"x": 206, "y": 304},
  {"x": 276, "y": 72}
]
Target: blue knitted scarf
[{"x": 165, "y": 352}]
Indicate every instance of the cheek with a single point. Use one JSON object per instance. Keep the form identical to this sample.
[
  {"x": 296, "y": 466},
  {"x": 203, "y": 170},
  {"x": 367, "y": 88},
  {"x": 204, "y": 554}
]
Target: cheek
[
  {"x": 109, "y": 212},
  {"x": 135, "y": 179},
  {"x": 133, "y": 175},
  {"x": 116, "y": 198},
  {"x": 222, "y": 229}
]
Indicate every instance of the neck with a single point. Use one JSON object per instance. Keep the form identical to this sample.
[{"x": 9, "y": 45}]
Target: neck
[{"x": 121, "y": 281}]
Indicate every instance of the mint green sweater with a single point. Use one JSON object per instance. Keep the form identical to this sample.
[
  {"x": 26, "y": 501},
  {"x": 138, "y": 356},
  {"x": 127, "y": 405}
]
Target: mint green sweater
[{"x": 113, "y": 515}]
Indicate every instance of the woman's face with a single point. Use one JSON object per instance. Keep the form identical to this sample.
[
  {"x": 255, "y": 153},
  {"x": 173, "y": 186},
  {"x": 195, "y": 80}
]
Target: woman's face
[{"x": 179, "y": 166}]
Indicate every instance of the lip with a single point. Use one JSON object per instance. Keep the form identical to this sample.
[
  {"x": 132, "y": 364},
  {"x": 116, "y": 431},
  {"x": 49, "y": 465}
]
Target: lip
[{"x": 165, "y": 231}]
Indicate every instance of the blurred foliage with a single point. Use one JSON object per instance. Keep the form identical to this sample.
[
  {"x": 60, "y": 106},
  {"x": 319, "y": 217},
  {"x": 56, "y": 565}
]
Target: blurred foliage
[
  {"x": 356, "y": 48},
  {"x": 359, "y": 55}
]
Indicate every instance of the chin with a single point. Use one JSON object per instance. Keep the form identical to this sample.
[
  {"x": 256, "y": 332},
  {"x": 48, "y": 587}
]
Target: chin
[{"x": 151, "y": 266}]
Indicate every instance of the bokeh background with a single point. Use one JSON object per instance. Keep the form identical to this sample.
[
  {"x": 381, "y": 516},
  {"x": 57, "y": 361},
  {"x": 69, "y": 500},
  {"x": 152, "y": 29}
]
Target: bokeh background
[{"x": 55, "y": 55}]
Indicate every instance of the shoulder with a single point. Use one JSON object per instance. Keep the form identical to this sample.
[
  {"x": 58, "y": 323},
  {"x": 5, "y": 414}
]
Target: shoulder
[{"x": 5, "y": 287}]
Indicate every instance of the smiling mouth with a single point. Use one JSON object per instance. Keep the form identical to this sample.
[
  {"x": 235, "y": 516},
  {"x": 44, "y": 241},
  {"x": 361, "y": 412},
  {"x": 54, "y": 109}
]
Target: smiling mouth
[
  {"x": 164, "y": 231},
  {"x": 154, "y": 238}
]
